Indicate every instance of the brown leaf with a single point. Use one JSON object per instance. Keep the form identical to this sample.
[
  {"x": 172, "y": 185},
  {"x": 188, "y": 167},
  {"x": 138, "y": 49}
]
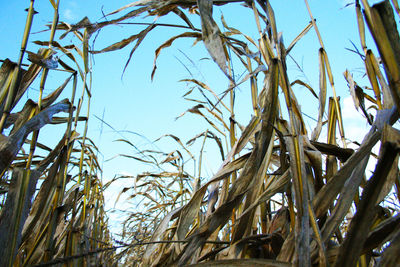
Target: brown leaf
[
  {"x": 381, "y": 233},
  {"x": 266, "y": 138},
  {"x": 50, "y": 61},
  {"x": 9, "y": 149},
  {"x": 212, "y": 35},
  {"x": 121, "y": 44},
  {"x": 351, "y": 248},
  {"x": 158, "y": 233},
  {"x": 391, "y": 255},
  {"x": 168, "y": 43},
  {"x": 14, "y": 213}
]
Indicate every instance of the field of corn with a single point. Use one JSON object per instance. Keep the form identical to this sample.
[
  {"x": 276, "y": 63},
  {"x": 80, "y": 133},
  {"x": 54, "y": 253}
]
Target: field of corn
[{"x": 284, "y": 195}]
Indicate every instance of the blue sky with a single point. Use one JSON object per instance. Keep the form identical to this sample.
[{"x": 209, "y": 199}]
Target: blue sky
[{"x": 136, "y": 104}]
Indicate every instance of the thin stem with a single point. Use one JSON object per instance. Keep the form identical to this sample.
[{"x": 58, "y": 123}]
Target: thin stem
[{"x": 17, "y": 76}]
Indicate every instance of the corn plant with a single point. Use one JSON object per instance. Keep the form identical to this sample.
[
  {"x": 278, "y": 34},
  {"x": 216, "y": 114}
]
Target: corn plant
[
  {"x": 282, "y": 195},
  {"x": 52, "y": 198}
]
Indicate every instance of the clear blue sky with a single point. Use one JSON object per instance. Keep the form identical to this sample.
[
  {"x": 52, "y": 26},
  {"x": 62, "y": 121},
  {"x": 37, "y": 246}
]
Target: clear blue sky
[{"x": 149, "y": 108}]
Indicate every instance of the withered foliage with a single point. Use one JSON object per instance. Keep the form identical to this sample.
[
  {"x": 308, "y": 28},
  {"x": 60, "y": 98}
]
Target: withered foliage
[
  {"x": 51, "y": 197},
  {"x": 282, "y": 196}
]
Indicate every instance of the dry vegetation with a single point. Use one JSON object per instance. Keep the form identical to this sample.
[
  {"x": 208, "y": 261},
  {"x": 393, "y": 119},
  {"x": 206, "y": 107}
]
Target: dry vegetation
[
  {"x": 66, "y": 220},
  {"x": 282, "y": 195}
]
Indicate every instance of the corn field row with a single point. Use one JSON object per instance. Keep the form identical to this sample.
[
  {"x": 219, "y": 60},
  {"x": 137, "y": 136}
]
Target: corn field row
[
  {"x": 52, "y": 205},
  {"x": 283, "y": 195}
]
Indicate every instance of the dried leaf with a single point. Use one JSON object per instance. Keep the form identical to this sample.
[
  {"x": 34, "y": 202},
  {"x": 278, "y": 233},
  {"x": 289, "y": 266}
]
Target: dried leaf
[
  {"x": 212, "y": 35},
  {"x": 168, "y": 43},
  {"x": 352, "y": 246},
  {"x": 10, "y": 148}
]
